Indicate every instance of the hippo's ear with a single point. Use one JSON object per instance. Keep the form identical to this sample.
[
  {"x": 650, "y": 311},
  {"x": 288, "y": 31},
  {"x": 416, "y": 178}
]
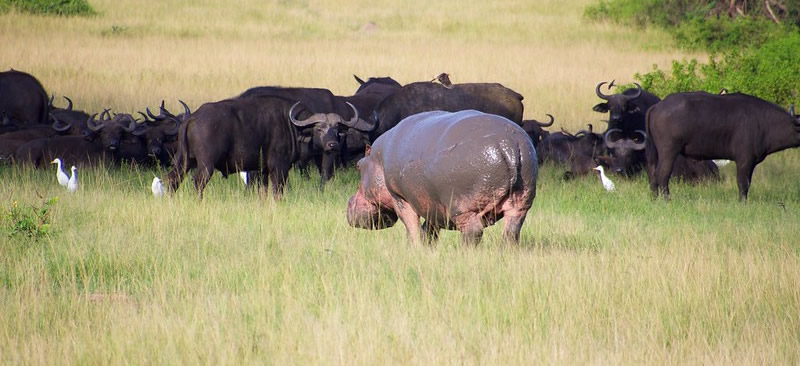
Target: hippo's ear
[
  {"x": 602, "y": 108},
  {"x": 367, "y": 150}
]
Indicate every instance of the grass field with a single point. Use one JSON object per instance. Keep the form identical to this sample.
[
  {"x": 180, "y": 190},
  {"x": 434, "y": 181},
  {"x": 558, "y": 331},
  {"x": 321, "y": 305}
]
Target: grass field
[{"x": 598, "y": 278}]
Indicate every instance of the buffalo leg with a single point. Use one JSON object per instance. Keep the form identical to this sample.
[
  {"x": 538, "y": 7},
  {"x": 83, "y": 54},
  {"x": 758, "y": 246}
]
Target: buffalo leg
[
  {"x": 201, "y": 178},
  {"x": 513, "y": 225},
  {"x": 744, "y": 173},
  {"x": 410, "y": 219},
  {"x": 174, "y": 178},
  {"x": 663, "y": 172},
  {"x": 278, "y": 175}
]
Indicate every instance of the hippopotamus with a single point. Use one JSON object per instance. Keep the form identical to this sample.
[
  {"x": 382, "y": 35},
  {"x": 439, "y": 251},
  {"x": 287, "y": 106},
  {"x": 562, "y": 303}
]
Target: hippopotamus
[{"x": 463, "y": 171}]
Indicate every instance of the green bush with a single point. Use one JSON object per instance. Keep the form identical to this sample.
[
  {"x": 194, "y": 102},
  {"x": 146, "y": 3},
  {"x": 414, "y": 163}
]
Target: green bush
[
  {"x": 771, "y": 72},
  {"x": 54, "y": 7},
  {"x": 715, "y": 25},
  {"x": 31, "y": 223}
]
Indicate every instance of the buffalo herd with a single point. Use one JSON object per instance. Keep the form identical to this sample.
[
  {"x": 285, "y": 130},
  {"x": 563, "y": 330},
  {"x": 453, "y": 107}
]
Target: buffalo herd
[{"x": 267, "y": 130}]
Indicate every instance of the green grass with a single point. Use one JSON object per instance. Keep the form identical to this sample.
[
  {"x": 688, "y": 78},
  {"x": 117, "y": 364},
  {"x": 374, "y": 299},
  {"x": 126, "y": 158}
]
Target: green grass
[{"x": 601, "y": 278}]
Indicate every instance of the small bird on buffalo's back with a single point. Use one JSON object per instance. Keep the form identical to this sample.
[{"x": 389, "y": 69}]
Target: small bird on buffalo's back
[{"x": 444, "y": 79}]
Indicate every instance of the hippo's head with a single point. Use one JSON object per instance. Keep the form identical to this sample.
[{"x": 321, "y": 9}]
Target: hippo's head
[{"x": 370, "y": 207}]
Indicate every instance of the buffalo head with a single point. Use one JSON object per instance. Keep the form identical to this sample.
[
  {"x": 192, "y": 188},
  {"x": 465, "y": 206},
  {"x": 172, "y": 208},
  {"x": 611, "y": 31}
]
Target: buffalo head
[
  {"x": 618, "y": 105},
  {"x": 626, "y": 153}
]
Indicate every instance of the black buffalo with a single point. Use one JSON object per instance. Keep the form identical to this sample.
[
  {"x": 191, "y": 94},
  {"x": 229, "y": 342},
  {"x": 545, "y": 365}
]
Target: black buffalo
[
  {"x": 579, "y": 152},
  {"x": 72, "y": 150},
  {"x": 626, "y": 126},
  {"x": 23, "y": 100},
  {"x": 250, "y": 134},
  {"x": 536, "y": 131},
  {"x": 420, "y": 97},
  {"x": 699, "y": 125},
  {"x": 324, "y": 119}
]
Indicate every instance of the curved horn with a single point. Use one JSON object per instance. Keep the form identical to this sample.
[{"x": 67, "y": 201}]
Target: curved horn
[
  {"x": 92, "y": 125},
  {"x": 791, "y": 110},
  {"x": 359, "y": 79},
  {"x": 146, "y": 119},
  {"x": 105, "y": 116},
  {"x": 638, "y": 92},
  {"x": 547, "y": 124},
  {"x": 162, "y": 116},
  {"x": 186, "y": 110},
  {"x": 316, "y": 118},
  {"x": 58, "y": 125},
  {"x": 641, "y": 145},
  {"x": 69, "y": 101},
  {"x": 599, "y": 93},
  {"x": 609, "y": 143},
  {"x": 131, "y": 125},
  {"x": 358, "y": 123},
  {"x": 50, "y": 102}
]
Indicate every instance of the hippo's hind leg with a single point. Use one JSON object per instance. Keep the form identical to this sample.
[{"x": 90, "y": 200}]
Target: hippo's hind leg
[{"x": 513, "y": 225}]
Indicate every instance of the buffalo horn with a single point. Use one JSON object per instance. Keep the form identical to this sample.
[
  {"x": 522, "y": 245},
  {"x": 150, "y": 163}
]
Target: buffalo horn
[
  {"x": 638, "y": 92},
  {"x": 641, "y": 145},
  {"x": 316, "y": 118},
  {"x": 359, "y": 123},
  {"x": 186, "y": 110},
  {"x": 146, "y": 119},
  {"x": 358, "y": 79},
  {"x": 92, "y": 125},
  {"x": 50, "y": 102},
  {"x": 599, "y": 93},
  {"x": 69, "y": 101},
  {"x": 548, "y": 124},
  {"x": 131, "y": 125},
  {"x": 791, "y": 110},
  {"x": 609, "y": 143},
  {"x": 58, "y": 125}
]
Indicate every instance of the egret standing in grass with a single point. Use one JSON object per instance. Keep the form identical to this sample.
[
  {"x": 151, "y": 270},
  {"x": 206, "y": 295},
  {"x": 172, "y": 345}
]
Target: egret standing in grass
[
  {"x": 607, "y": 183},
  {"x": 63, "y": 179},
  {"x": 243, "y": 175},
  {"x": 157, "y": 187},
  {"x": 72, "y": 185}
]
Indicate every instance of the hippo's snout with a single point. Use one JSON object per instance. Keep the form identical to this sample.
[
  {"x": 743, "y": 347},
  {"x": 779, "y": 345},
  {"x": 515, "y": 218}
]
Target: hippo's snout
[{"x": 362, "y": 214}]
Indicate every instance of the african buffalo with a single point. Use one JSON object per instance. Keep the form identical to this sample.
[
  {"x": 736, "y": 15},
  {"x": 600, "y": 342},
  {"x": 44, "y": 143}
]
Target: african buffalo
[
  {"x": 699, "y": 125},
  {"x": 250, "y": 134},
  {"x": 580, "y": 152},
  {"x": 426, "y": 96},
  {"x": 23, "y": 99},
  {"x": 535, "y": 129},
  {"x": 72, "y": 150},
  {"x": 462, "y": 171},
  {"x": 626, "y": 126}
]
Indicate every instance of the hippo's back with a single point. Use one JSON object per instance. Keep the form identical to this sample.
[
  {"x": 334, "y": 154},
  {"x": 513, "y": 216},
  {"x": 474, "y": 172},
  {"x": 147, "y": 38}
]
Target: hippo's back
[{"x": 446, "y": 163}]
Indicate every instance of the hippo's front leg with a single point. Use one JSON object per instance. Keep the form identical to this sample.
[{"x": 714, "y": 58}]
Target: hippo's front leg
[{"x": 410, "y": 219}]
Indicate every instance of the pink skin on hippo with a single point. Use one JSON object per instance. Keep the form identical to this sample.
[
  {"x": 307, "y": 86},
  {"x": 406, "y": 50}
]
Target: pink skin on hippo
[{"x": 463, "y": 170}]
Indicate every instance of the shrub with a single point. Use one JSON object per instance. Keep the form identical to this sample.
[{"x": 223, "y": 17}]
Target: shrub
[
  {"x": 771, "y": 72},
  {"x": 54, "y": 7},
  {"x": 32, "y": 223}
]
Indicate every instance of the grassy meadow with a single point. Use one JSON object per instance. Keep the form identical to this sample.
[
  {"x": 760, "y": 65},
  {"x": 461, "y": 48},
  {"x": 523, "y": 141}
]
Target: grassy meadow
[{"x": 599, "y": 278}]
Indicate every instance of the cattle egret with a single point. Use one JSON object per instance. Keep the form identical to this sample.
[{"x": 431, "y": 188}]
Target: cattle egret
[
  {"x": 72, "y": 185},
  {"x": 607, "y": 183},
  {"x": 63, "y": 179},
  {"x": 157, "y": 187},
  {"x": 444, "y": 79},
  {"x": 244, "y": 177},
  {"x": 721, "y": 162}
]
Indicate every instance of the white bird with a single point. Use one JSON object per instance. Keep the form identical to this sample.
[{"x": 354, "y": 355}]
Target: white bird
[
  {"x": 72, "y": 185},
  {"x": 244, "y": 177},
  {"x": 607, "y": 183},
  {"x": 63, "y": 179},
  {"x": 157, "y": 187}
]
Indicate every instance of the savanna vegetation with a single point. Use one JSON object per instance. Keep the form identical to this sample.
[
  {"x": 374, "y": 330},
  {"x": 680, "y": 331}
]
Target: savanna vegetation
[{"x": 111, "y": 274}]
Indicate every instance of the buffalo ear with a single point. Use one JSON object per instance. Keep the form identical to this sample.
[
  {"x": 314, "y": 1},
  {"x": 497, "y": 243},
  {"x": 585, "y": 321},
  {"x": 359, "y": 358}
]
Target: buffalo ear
[
  {"x": 602, "y": 108},
  {"x": 367, "y": 150}
]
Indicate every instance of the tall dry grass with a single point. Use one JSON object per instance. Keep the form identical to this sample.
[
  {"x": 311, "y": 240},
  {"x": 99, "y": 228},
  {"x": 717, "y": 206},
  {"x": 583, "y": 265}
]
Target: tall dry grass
[{"x": 599, "y": 278}]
